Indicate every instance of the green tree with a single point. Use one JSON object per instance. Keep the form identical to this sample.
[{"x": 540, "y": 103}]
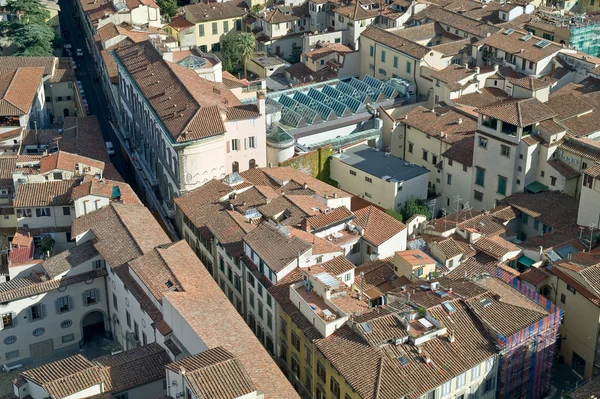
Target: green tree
[
  {"x": 245, "y": 44},
  {"x": 168, "y": 8},
  {"x": 231, "y": 55},
  {"x": 30, "y": 31},
  {"x": 395, "y": 214},
  {"x": 414, "y": 206},
  {"x": 33, "y": 40}
]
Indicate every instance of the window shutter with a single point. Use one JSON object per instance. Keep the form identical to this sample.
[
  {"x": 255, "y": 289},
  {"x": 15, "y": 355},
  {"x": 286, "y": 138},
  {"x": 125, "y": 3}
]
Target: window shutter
[
  {"x": 97, "y": 295},
  {"x": 229, "y": 146},
  {"x": 14, "y": 319},
  {"x": 1, "y": 325},
  {"x": 70, "y": 302},
  {"x": 83, "y": 298},
  {"x": 48, "y": 212},
  {"x": 56, "y": 305},
  {"x": 43, "y": 310},
  {"x": 30, "y": 315},
  {"x": 246, "y": 143}
]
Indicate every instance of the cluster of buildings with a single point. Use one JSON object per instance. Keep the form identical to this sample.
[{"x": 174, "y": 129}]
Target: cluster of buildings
[{"x": 279, "y": 193}]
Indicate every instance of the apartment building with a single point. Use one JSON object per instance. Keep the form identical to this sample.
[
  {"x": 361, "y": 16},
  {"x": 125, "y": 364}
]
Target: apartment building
[
  {"x": 199, "y": 129},
  {"x": 23, "y": 99},
  {"x": 423, "y": 136},
  {"x": 388, "y": 54},
  {"x": 356, "y": 18},
  {"x": 310, "y": 223},
  {"x": 279, "y": 30},
  {"x": 588, "y": 213},
  {"x": 521, "y": 50},
  {"x": 576, "y": 293},
  {"x": 505, "y": 129},
  {"x": 467, "y": 26},
  {"x": 382, "y": 179},
  {"x": 212, "y": 24}
]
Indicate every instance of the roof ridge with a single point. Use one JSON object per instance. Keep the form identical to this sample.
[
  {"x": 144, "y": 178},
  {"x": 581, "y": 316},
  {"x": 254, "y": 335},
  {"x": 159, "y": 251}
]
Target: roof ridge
[
  {"x": 379, "y": 374},
  {"x": 589, "y": 283}
]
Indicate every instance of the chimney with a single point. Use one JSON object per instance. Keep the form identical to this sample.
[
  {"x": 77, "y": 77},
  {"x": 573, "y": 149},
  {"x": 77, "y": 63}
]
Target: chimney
[
  {"x": 305, "y": 185},
  {"x": 477, "y": 70},
  {"x": 306, "y": 225},
  {"x": 460, "y": 121},
  {"x": 261, "y": 102},
  {"x": 362, "y": 282},
  {"x": 451, "y": 336}
]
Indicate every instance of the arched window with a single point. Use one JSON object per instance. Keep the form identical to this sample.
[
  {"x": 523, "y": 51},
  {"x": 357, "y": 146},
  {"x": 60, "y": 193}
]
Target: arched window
[
  {"x": 235, "y": 167},
  {"x": 252, "y": 164}
]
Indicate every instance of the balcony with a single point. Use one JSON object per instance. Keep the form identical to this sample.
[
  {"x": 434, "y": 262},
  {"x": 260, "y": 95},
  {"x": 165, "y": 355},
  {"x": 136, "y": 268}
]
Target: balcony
[
  {"x": 9, "y": 121},
  {"x": 325, "y": 316}
]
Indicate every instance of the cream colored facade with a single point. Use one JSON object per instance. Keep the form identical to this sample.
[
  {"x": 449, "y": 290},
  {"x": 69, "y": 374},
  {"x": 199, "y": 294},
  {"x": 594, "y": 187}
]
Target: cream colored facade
[
  {"x": 210, "y": 34},
  {"x": 589, "y": 202},
  {"x": 580, "y": 327},
  {"x": 413, "y": 264}
]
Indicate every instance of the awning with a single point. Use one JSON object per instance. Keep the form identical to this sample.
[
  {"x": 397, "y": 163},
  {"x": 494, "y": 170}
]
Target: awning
[
  {"x": 526, "y": 261},
  {"x": 536, "y": 187}
]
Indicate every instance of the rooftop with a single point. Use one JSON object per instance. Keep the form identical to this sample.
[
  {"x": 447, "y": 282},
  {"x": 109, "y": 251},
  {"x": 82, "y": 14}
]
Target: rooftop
[
  {"x": 519, "y": 112},
  {"x": 522, "y": 44},
  {"x": 379, "y": 164}
]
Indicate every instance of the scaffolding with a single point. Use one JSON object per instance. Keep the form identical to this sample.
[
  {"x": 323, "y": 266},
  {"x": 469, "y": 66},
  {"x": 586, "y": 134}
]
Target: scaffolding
[{"x": 527, "y": 357}]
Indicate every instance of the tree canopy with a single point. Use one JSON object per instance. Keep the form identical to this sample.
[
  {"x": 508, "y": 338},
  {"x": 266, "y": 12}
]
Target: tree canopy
[
  {"x": 30, "y": 32},
  {"x": 168, "y": 8},
  {"x": 238, "y": 50},
  {"x": 414, "y": 206}
]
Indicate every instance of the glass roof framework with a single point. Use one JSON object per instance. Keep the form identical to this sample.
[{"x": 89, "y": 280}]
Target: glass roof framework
[
  {"x": 328, "y": 101},
  {"x": 323, "y": 110},
  {"x": 193, "y": 62},
  {"x": 388, "y": 90}
]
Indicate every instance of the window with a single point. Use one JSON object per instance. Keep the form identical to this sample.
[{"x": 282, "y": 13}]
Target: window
[
  {"x": 36, "y": 312},
  {"x": 235, "y": 145},
  {"x": 269, "y": 320},
  {"x": 250, "y": 280},
  {"x": 425, "y": 155},
  {"x": 66, "y": 323},
  {"x": 90, "y": 297},
  {"x": 251, "y": 299},
  {"x": 419, "y": 272},
  {"x": 395, "y": 62},
  {"x": 368, "y": 179},
  {"x": 121, "y": 396},
  {"x": 225, "y": 26},
  {"x": 552, "y": 181},
  {"x": 136, "y": 330},
  {"x": 572, "y": 289},
  {"x": 368, "y": 195},
  {"x": 411, "y": 147},
  {"x": 502, "y": 185},
  {"x": 39, "y": 331},
  {"x": 449, "y": 179},
  {"x": 214, "y": 28},
  {"x": 434, "y": 159},
  {"x": 475, "y": 372},
  {"x": 251, "y": 142},
  {"x": 588, "y": 181},
  {"x": 505, "y": 150},
  {"x": 478, "y": 195},
  {"x": 353, "y": 172},
  {"x": 7, "y": 320},
  {"x": 57, "y": 176},
  {"x": 66, "y": 211},
  {"x": 230, "y": 274},
  {"x": 480, "y": 177},
  {"x": 536, "y": 224},
  {"x": 295, "y": 341},
  {"x": 382, "y": 56},
  {"x": 488, "y": 365},
  {"x": 259, "y": 290},
  {"x": 371, "y": 51},
  {"x": 563, "y": 298},
  {"x": 334, "y": 387},
  {"x": 483, "y": 142},
  {"x": 525, "y": 218},
  {"x": 11, "y": 355},
  {"x": 260, "y": 308},
  {"x": 201, "y": 27},
  {"x": 115, "y": 302},
  {"x": 321, "y": 373},
  {"x": 465, "y": 168},
  {"x": 238, "y": 25},
  {"x": 446, "y": 388},
  {"x": 460, "y": 380},
  {"x": 98, "y": 264},
  {"x": 347, "y": 277},
  {"x": 584, "y": 165},
  {"x": 39, "y": 212},
  {"x": 283, "y": 326},
  {"x": 489, "y": 385},
  {"x": 128, "y": 318},
  {"x": 10, "y": 340},
  {"x": 407, "y": 66},
  {"x": 63, "y": 304}
]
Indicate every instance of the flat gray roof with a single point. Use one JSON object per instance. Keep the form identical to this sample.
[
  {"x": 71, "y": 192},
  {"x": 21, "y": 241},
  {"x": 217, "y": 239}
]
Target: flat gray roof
[{"x": 363, "y": 158}]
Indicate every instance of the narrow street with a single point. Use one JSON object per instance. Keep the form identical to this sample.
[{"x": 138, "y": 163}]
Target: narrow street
[{"x": 93, "y": 91}]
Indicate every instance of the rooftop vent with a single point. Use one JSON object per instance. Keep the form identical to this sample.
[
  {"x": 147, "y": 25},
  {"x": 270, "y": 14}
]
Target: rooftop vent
[
  {"x": 543, "y": 43},
  {"x": 403, "y": 360},
  {"x": 366, "y": 327},
  {"x": 508, "y": 31},
  {"x": 448, "y": 307},
  {"x": 485, "y": 302}
]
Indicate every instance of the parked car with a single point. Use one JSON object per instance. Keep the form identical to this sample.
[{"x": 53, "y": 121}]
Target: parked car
[
  {"x": 110, "y": 149},
  {"x": 79, "y": 52}
]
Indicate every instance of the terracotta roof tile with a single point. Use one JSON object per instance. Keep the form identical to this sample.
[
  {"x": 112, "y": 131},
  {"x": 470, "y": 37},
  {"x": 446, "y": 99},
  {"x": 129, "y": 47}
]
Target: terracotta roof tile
[
  {"x": 336, "y": 216},
  {"x": 462, "y": 151},
  {"x": 320, "y": 245},
  {"x": 217, "y": 323},
  {"x": 513, "y": 44},
  {"x": 563, "y": 168},
  {"x": 51, "y": 193},
  {"x": 495, "y": 246},
  {"x": 454, "y": 125},
  {"x": 519, "y": 112},
  {"x": 68, "y": 259},
  {"x": 552, "y": 208},
  {"x": 396, "y": 42},
  {"x": 66, "y": 161},
  {"x": 582, "y": 146},
  {"x": 377, "y": 225},
  {"x": 104, "y": 188},
  {"x": 487, "y": 96},
  {"x": 18, "y": 89},
  {"x": 475, "y": 27},
  {"x": 202, "y": 12},
  {"x": 276, "y": 248},
  {"x": 534, "y": 275}
]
